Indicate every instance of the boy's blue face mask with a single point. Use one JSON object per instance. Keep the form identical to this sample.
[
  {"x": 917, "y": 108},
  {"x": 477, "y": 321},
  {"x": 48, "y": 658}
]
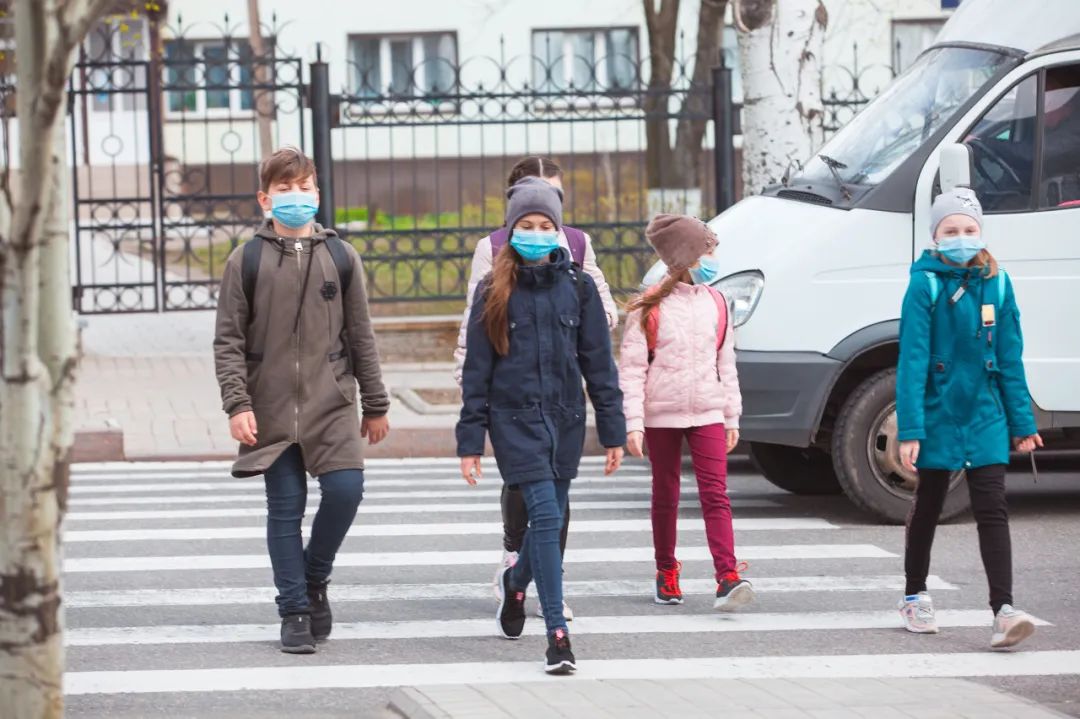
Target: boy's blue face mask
[
  {"x": 294, "y": 209},
  {"x": 706, "y": 272},
  {"x": 961, "y": 249},
  {"x": 534, "y": 245}
]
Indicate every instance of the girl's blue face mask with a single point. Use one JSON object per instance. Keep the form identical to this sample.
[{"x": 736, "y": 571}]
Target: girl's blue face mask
[
  {"x": 961, "y": 249},
  {"x": 534, "y": 245},
  {"x": 294, "y": 209},
  {"x": 706, "y": 272}
]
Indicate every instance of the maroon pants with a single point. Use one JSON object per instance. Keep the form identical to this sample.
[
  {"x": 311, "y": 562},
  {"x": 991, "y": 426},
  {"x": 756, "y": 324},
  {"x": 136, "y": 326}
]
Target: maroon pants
[{"x": 708, "y": 449}]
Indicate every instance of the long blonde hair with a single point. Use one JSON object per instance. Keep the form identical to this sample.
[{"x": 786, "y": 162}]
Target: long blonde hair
[{"x": 504, "y": 272}]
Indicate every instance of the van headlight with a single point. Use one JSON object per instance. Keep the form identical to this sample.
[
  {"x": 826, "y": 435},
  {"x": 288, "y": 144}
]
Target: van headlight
[{"x": 742, "y": 290}]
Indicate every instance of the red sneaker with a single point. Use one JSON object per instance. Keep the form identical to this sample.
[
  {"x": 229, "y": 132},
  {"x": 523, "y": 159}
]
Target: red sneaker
[{"x": 667, "y": 586}]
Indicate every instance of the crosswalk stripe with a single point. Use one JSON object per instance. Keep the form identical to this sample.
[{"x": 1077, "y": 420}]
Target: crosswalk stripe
[
  {"x": 360, "y": 676},
  {"x": 451, "y": 558},
  {"x": 344, "y": 593},
  {"x": 430, "y": 529},
  {"x": 375, "y": 495},
  {"x": 459, "y": 628},
  {"x": 371, "y": 482},
  {"x": 365, "y": 508},
  {"x": 379, "y": 475},
  {"x": 120, "y": 468}
]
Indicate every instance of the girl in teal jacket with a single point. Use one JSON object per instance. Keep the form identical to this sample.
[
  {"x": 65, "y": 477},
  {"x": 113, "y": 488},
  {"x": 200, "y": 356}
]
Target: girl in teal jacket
[{"x": 961, "y": 395}]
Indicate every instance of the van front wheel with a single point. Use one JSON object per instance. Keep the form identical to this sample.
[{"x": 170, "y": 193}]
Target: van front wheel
[
  {"x": 867, "y": 458},
  {"x": 795, "y": 469}
]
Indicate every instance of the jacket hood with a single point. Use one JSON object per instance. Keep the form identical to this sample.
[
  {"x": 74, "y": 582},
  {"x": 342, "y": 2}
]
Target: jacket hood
[
  {"x": 545, "y": 275},
  {"x": 930, "y": 261}
]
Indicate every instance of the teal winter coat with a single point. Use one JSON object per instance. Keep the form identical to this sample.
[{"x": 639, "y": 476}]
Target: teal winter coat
[{"x": 960, "y": 386}]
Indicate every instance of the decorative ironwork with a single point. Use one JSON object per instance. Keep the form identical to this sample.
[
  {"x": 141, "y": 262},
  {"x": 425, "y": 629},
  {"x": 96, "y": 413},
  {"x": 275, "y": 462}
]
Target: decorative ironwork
[{"x": 848, "y": 88}]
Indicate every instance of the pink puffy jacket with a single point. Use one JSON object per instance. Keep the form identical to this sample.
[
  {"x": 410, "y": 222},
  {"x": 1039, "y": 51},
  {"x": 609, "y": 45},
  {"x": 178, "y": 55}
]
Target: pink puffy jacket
[{"x": 688, "y": 383}]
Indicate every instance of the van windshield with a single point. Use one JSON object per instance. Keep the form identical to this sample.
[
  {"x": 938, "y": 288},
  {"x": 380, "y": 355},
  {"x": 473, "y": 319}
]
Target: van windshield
[{"x": 901, "y": 118}]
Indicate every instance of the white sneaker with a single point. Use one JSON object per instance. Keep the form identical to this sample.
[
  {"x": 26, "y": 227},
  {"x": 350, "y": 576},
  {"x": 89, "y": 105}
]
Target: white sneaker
[
  {"x": 567, "y": 614},
  {"x": 917, "y": 611},
  {"x": 1011, "y": 626},
  {"x": 509, "y": 559}
]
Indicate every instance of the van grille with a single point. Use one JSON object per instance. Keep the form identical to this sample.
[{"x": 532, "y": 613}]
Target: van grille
[{"x": 804, "y": 197}]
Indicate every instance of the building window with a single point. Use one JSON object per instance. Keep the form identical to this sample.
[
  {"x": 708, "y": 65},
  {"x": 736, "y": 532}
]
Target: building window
[
  {"x": 910, "y": 38},
  {"x": 209, "y": 77},
  {"x": 420, "y": 65},
  {"x": 600, "y": 60},
  {"x": 730, "y": 49},
  {"x": 113, "y": 84}
]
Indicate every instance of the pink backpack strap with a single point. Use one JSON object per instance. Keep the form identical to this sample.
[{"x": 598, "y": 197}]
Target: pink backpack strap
[{"x": 721, "y": 316}]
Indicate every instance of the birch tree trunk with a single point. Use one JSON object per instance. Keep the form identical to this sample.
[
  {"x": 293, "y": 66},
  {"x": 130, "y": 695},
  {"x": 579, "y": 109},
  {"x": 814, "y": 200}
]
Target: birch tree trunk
[
  {"x": 37, "y": 359},
  {"x": 780, "y": 45},
  {"x": 262, "y": 59}
]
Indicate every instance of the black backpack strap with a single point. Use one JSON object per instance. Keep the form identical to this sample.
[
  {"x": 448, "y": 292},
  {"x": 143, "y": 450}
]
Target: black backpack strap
[
  {"x": 342, "y": 261},
  {"x": 579, "y": 281},
  {"x": 249, "y": 272}
]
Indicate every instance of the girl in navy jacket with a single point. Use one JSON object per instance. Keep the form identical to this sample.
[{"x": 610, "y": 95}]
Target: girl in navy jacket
[{"x": 537, "y": 328}]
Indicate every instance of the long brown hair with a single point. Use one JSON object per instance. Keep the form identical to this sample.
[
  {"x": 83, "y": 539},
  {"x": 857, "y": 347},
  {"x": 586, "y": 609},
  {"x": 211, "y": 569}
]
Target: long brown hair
[
  {"x": 504, "y": 272},
  {"x": 533, "y": 167},
  {"x": 653, "y": 296}
]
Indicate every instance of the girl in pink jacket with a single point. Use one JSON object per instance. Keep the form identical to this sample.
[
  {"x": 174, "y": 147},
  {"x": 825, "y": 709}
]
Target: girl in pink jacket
[{"x": 678, "y": 378}]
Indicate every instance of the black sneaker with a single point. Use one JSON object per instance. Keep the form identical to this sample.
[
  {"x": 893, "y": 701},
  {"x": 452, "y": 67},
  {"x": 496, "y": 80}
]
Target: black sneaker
[
  {"x": 560, "y": 660},
  {"x": 511, "y": 615},
  {"x": 296, "y": 635},
  {"x": 321, "y": 618},
  {"x": 733, "y": 592}
]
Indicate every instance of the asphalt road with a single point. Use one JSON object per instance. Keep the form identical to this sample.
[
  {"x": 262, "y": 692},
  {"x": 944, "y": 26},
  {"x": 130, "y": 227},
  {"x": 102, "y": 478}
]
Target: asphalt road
[{"x": 170, "y": 609}]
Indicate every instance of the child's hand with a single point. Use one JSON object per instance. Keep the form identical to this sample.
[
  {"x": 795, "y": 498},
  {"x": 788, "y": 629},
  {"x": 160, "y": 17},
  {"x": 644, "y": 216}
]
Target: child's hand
[
  {"x": 469, "y": 467},
  {"x": 909, "y": 454},
  {"x": 243, "y": 429},
  {"x": 1028, "y": 444},
  {"x": 635, "y": 444},
  {"x": 732, "y": 440},
  {"x": 614, "y": 460},
  {"x": 375, "y": 428}
]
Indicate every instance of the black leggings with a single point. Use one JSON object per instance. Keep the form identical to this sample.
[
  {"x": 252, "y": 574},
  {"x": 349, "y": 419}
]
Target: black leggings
[
  {"x": 516, "y": 520},
  {"x": 987, "y": 488}
]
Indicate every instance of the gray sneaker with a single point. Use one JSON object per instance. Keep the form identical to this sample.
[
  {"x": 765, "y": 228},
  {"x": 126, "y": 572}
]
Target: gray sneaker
[
  {"x": 1011, "y": 626},
  {"x": 917, "y": 611}
]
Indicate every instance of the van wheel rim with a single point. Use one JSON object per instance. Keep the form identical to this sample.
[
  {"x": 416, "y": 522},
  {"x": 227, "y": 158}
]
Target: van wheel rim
[{"x": 883, "y": 451}]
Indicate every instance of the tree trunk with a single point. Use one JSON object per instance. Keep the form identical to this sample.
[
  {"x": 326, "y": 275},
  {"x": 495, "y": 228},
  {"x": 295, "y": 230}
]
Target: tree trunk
[
  {"x": 37, "y": 359},
  {"x": 661, "y": 18},
  {"x": 780, "y": 44},
  {"x": 697, "y": 107},
  {"x": 264, "y": 98}
]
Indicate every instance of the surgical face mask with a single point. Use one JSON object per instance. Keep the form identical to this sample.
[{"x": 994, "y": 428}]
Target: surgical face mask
[
  {"x": 962, "y": 248},
  {"x": 707, "y": 270},
  {"x": 534, "y": 245},
  {"x": 294, "y": 209}
]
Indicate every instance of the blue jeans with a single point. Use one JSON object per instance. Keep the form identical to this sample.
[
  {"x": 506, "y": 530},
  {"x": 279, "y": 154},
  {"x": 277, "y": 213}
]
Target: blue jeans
[
  {"x": 540, "y": 557},
  {"x": 286, "y": 500}
]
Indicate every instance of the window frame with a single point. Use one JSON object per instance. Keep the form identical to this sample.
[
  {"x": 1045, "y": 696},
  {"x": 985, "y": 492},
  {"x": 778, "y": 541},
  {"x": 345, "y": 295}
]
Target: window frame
[
  {"x": 116, "y": 101},
  {"x": 418, "y": 83},
  {"x": 235, "y": 110},
  {"x": 601, "y": 51},
  {"x": 894, "y": 58}
]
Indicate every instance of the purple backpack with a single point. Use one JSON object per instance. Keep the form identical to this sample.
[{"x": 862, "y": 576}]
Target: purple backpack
[{"x": 574, "y": 237}]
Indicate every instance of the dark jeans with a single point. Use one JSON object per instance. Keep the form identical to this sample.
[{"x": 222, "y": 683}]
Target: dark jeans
[
  {"x": 286, "y": 499},
  {"x": 545, "y": 502},
  {"x": 987, "y": 488},
  {"x": 516, "y": 520}
]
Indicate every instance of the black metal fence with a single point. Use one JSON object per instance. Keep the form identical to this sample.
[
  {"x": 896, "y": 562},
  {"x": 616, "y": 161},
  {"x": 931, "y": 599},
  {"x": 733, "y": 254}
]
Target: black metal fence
[{"x": 412, "y": 155}]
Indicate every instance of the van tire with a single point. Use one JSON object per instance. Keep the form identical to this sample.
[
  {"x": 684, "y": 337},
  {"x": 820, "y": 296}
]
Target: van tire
[
  {"x": 862, "y": 480},
  {"x": 799, "y": 470}
]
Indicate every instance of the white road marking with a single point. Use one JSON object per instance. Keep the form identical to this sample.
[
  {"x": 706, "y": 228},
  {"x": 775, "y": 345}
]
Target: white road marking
[
  {"x": 307, "y": 676},
  {"x": 436, "y": 559}
]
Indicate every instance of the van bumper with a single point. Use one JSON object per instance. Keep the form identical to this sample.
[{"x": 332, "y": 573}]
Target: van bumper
[{"x": 784, "y": 395}]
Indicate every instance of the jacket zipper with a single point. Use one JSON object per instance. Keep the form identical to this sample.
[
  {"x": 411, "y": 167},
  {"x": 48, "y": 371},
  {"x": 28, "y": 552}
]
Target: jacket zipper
[{"x": 298, "y": 246}]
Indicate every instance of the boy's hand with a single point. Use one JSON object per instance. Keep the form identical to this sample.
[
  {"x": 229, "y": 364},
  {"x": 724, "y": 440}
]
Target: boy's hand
[
  {"x": 375, "y": 428},
  {"x": 732, "y": 440},
  {"x": 470, "y": 469},
  {"x": 614, "y": 460},
  {"x": 635, "y": 444},
  {"x": 1028, "y": 444},
  {"x": 242, "y": 428}
]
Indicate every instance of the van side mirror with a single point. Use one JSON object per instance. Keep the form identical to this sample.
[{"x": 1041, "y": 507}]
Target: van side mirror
[{"x": 955, "y": 166}]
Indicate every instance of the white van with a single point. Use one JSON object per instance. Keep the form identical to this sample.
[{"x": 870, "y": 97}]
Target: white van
[{"x": 816, "y": 270}]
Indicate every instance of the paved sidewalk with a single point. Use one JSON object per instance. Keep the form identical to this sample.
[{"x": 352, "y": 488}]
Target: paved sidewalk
[{"x": 551, "y": 697}]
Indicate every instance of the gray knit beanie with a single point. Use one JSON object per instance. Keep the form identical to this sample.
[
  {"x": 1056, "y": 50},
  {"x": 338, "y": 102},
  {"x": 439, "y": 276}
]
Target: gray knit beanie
[
  {"x": 679, "y": 240},
  {"x": 531, "y": 195},
  {"x": 957, "y": 201}
]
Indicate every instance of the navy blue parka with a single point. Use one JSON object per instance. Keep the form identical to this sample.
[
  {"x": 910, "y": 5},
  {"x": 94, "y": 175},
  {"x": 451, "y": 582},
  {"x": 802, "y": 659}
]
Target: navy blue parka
[{"x": 531, "y": 401}]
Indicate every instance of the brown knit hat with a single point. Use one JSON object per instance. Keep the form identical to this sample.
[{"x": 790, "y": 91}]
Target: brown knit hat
[{"x": 679, "y": 240}]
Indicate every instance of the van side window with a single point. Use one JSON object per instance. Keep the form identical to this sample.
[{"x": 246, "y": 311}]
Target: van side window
[
  {"x": 1059, "y": 184},
  {"x": 1003, "y": 149}
]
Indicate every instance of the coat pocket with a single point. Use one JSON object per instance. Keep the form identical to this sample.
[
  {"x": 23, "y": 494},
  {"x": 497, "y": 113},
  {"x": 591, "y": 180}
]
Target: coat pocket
[
  {"x": 519, "y": 437},
  {"x": 570, "y": 422},
  {"x": 343, "y": 378}
]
